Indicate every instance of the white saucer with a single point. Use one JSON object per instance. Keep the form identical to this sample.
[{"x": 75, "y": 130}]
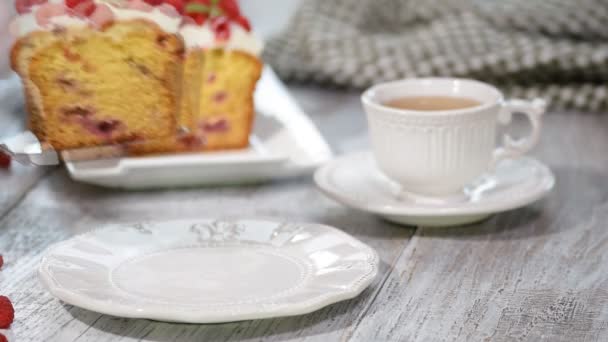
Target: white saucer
[
  {"x": 355, "y": 181},
  {"x": 208, "y": 271}
]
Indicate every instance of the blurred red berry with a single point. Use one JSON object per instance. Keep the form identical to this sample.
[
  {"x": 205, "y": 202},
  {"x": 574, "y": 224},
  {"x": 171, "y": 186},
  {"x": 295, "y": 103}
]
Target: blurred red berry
[
  {"x": 72, "y": 3},
  {"x": 154, "y": 2},
  {"x": 199, "y": 18},
  {"x": 5, "y": 160},
  {"x": 1, "y": 261},
  {"x": 85, "y": 8},
  {"x": 221, "y": 27},
  {"x": 7, "y": 312},
  {"x": 243, "y": 22},
  {"x": 230, "y": 8},
  {"x": 3, "y": 338}
]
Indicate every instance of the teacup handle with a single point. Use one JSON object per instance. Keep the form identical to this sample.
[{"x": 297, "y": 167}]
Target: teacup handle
[{"x": 512, "y": 148}]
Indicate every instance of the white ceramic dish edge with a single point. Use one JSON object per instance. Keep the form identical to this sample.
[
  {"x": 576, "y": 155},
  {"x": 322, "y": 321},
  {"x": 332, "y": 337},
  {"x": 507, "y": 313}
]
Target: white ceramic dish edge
[
  {"x": 311, "y": 305},
  {"x": 322, "y": 181}
]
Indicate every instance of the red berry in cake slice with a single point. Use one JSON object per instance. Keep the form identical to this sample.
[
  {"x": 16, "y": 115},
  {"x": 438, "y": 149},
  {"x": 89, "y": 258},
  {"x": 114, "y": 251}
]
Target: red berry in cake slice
[
  {"x": 221, "y": 27},
  {"x": 1, "y": 258},
  {"x": 190, "y": 141},
  {"x": 107, "y": 126},
  {"x": 24, "y": 6},
  {"x": 243, "y": 22},
  {"x": 215, "y": 125},
  {"x": 3, "y": 338},
  {"x": 154, "y": 2},
  {"x": 220, "y": 96},
  {"x": 5, "y": 163}
]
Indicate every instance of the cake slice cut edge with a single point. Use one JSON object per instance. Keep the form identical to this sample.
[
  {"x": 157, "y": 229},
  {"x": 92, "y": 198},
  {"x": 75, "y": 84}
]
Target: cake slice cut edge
[{"x": 217, "y": 107}]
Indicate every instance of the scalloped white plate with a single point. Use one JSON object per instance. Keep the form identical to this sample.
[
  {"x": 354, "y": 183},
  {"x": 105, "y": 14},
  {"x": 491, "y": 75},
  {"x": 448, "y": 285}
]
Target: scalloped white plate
[
  {"x": 207, "y": 271},
  {"x": 355, "y": 181}
]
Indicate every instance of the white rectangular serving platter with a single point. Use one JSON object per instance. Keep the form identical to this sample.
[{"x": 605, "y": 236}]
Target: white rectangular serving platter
[{"x": 284, "y": 143}]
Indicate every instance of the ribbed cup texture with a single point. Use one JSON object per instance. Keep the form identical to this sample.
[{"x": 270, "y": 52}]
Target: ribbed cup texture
[{"x": 433, "y": 154}]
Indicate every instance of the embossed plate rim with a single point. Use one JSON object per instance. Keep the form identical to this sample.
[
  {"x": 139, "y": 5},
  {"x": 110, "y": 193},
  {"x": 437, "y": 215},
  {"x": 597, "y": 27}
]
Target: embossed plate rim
[{"x": 354, "y": 281}]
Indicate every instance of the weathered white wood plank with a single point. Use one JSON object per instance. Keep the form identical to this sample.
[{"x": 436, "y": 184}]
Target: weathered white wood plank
[
  {"x": 539, "y": 273},
  {"x": 18, "y": 180}
]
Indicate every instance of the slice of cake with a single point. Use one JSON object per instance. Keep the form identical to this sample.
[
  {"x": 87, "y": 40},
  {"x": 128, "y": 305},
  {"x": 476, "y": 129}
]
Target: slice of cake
[
  {"x": 221, "y": 69},
  {"x": 96, "y": 73},
  {"x": 220, "y": 108}
]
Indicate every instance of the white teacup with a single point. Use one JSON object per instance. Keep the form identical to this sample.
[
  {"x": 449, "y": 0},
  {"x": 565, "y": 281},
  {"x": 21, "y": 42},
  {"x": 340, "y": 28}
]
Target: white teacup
[{"x": 438, "y": 153}]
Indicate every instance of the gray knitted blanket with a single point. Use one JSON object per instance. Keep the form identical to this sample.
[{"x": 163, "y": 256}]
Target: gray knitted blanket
[{"x": 555, "y": 49}]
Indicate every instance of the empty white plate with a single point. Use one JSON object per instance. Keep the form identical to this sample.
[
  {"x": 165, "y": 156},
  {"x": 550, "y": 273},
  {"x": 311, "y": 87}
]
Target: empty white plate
[
  {"x": 355, "y": 181},
  {"x": 284, "y": 143},
  {"x": 208, "y": 271}
]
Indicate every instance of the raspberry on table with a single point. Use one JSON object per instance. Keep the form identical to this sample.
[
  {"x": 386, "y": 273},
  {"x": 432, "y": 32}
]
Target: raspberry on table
[
  {"x": 7, "y": 312},
  {"x": 5, "y": 160}
]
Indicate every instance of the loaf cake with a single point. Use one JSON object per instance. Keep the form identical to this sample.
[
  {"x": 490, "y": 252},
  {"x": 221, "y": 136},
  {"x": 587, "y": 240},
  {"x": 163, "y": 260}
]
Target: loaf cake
[{"x": 160, "y": 75}]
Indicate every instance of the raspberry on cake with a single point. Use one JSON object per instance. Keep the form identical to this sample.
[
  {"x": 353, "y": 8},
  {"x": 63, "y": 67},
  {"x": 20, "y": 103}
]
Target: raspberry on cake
[{"x": 221, "y": 70}]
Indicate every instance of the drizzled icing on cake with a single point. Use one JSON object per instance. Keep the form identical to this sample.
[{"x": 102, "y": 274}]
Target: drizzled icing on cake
[
  {"x": 165, "y": 16},
  {"x": 197, "y": 36},
  {"x": 198, "y": 28}
]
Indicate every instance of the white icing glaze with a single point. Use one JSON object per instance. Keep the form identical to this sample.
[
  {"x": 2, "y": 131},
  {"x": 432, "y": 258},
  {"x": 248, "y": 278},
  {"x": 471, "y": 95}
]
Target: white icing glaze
[
  {"x": 66, "y": 20},
  {"x": 26, "y": 23},
  {"x": 203, "y": 37},
  {"x": 194, "y": 36},
  {"x": 165, "y": 22}
]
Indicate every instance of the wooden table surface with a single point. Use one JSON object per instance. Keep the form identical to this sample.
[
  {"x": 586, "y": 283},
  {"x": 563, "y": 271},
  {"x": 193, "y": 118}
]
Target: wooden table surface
[{"x": 540, "y": 272}]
